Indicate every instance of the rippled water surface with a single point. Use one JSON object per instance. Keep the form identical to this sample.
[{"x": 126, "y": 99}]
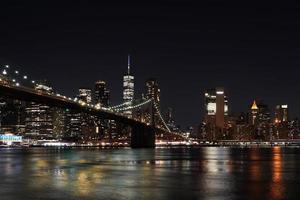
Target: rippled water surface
[{"x": 181, "y": 173}]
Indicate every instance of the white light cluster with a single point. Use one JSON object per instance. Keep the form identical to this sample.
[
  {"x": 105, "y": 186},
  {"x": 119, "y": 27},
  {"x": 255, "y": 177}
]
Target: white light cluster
[
  {"x": 132, "y": 107},
  {"x": 118, "y": 106},
  {"x": 16, "y": 73}
]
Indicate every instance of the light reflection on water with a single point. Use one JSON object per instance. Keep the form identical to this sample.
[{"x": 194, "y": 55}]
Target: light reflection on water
[{"x": 181, "y": 173}]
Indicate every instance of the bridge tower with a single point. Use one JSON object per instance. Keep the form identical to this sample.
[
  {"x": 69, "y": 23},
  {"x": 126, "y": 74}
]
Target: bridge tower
[{"x": 142, "y": 135}]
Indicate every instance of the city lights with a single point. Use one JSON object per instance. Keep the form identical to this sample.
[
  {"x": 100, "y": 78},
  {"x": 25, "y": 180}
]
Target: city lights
[
  {"x": 149, "y": 100},
  {"x": 217, "y": 116}
]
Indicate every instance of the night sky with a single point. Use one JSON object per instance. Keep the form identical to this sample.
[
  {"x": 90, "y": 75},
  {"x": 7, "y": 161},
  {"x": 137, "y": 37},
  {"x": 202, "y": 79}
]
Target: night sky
[{"x": 253, "y": 50}]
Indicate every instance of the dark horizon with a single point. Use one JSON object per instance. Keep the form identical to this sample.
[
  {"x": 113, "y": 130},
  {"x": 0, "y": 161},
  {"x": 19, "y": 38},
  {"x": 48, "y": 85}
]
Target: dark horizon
[{"x": 250, "y": 50}]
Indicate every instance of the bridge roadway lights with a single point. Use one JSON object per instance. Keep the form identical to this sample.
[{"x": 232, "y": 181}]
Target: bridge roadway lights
[{"x": 142, "y": 136}]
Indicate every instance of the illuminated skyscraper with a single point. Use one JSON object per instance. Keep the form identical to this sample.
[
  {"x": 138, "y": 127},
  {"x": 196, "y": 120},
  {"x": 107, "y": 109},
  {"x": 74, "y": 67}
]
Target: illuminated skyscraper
[
  {"x": 102, "y": 99},
  {"x": 216, "y": 106},
  {"x": 39, "y": 117},
  {"x": 216, "y": 110},
  {"x": 254, "y": 113},
  {"x": 59, "y": 122},
  {"x": 281, "y": 114},
  {"x": 128, "y": 89},
  {"x": 152, "y": 90},
  {"x": 78, "y": 126},
  {"x": 102, "y": 94},
  {"x": 260, "y": 113},
  {"x": 74, "y": 126},
  {"x": 85, "y": 95}
]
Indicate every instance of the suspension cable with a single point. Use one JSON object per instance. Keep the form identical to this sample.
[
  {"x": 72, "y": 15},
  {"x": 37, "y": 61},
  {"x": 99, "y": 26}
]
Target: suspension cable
[
  {"x": 133, "y": 106},
  {"x": 160, "y": 116},
  {"x": 118, "y": 106}
]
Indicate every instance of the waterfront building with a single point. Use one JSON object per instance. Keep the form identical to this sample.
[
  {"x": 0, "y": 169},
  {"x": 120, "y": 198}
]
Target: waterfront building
[
  {"x": 59, "y": 123},
  {"x": 38, "y": 121},
  {"x": 9, "y": 139},
  {"x": 73, "y": 126},
  {"x": 12, "y": 116},
  {"x": 39, "y": 117},
  {"x": 81, "y": 126}
]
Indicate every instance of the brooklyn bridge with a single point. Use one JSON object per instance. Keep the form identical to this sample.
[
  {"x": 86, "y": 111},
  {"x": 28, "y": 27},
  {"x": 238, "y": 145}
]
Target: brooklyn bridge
[{"x": 143, "y": 133}]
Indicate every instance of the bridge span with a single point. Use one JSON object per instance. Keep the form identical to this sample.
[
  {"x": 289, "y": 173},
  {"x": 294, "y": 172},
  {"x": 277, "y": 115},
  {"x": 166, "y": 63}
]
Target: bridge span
[{"x": 142, "y": 134}]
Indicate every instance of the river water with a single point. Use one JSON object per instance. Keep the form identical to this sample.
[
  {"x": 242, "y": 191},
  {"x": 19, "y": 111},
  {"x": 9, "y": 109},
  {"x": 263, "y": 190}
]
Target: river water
[{"x": 178, "y": 173}]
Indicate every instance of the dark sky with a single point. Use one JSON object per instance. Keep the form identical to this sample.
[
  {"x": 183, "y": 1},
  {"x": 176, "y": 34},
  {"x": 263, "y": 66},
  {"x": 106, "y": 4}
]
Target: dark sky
[{"x": 250, "y": 49}]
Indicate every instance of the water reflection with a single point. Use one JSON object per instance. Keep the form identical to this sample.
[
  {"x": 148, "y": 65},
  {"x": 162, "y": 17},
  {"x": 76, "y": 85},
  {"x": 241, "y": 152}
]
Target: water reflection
[
  {"x": 255, "y": 164},
  {"x": 204, "y": 173},
  {"x": 276, "y": 185}
]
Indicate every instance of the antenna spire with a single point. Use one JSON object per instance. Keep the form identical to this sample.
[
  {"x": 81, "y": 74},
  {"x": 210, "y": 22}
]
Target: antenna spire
[{"x": 128, "y": 66}]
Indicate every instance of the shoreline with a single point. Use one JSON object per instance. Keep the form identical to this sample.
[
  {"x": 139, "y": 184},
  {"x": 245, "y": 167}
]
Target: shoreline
[{"x": 253, "y": 145}]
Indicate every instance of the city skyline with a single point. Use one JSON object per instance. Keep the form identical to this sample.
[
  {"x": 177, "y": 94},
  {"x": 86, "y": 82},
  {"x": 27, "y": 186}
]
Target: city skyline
[
  {"x": 217, "y": 50},
  {"x": 168, "y": 99}
]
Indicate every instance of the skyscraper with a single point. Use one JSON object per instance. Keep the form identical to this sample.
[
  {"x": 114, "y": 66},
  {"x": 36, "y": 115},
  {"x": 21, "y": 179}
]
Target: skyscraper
[
  {"x": 102, "y": 94},
  {"x": 152, "y": 90},
  {"x": 77, "y": 123},
  {"x": 128, "y": 89},
  {"x": 264, "y": 115},
  {"x": 59, "y": 123},
  {"x": 216, "y": 110},
  {"x": 73, "y": 126},
  {"x": 281, "y": 114},
  {"x": 222, "y": 107},
  {"x": 102, "y": 99},
  {"x": 39, "y": 117},
  {"x": 12, "y": 116},
  {"x": 254, "y": 113},
  {"x": 262, "y": 125}
]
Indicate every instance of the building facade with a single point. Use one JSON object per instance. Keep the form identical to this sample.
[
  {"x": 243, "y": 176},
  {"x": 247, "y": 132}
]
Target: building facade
[
  {"x": 281, "y": 114},
  {"x": 39, "y": 117},
  {"x": 101, "y": 94},
  {"x": 102, "y": 99},
  {"x": 216, "y": 112}
]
